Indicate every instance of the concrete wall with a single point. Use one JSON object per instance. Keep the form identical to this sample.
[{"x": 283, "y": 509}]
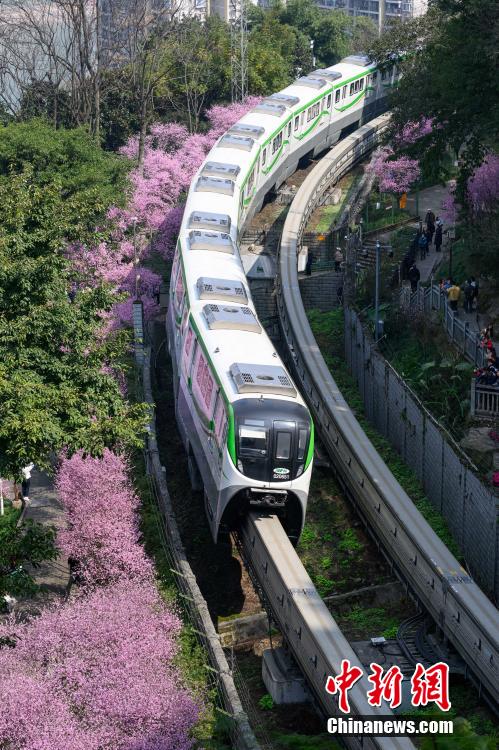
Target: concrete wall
[{"x": 319, "y": 291}]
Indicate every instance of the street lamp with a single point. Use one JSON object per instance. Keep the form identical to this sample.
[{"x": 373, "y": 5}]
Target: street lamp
[{"x": 312, "y": 42}]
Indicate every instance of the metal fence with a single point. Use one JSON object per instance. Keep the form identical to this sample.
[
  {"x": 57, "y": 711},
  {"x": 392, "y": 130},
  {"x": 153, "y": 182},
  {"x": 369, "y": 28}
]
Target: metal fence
[
  {"x": 430, "y": 298},
  {"x": 469, "y": 507},
  {"x": 484, "y": 399}
]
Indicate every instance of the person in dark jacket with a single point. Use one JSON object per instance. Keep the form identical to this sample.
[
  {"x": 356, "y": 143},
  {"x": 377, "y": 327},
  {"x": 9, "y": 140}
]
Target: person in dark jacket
[
  {"x": 474, "y": 286},
  {"x": 308, "y": 266},
  {"x": 438, "y": 237},
  {"x": 468, "y": 296},
  {"x": 414, "y": 275},
  {"x": 423, "y": 245}
]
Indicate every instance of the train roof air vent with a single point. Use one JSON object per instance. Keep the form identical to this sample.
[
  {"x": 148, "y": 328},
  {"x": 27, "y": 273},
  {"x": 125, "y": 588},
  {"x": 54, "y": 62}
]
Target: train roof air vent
[
  {"x": 360, "y": 60},
  {"x": 214, "y": 185},
  {"x": 220, "y": 169},
  {"x": 206, "y": 220},
  {"x": 240, "y": 128},
  {"x": 286, "y": 99},
  {"x": 232, "y": 291},
  {"x": 270, "y": 108},
  {"x": 232, "y": 318},
  {"x": 310, "y": 81},
  {"x": 243, "y": 143},
  {"x": 217, "y": 241},
  {"x": 262, "y": 379},
  {"x": 329, "y": 75}
]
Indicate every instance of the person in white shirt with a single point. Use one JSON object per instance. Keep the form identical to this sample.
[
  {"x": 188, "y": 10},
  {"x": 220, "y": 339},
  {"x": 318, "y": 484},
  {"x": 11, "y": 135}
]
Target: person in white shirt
[{"x": 26, "y": 472}]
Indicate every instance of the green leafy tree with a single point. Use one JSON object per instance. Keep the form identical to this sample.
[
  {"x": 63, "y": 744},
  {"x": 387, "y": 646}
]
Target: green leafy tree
[
  {"x": 450, "y": 74},
  {"x": 54, "y": 391},
  {"x": 31, "y": 543}
]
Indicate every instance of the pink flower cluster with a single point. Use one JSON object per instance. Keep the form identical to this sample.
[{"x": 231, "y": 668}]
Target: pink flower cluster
[
  {"x": 101, "y": 509},
  {"x": 96, "y": 673},
  {"x": 394, "y": 175},
  {"x": 483, "y": 185},
  {"x": 172, "y": 157},
  {"x": 413, "y": 131}
]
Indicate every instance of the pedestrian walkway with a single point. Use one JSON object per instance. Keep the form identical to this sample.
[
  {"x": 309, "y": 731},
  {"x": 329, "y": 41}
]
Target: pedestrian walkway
[{"x": 53, "y": 576}]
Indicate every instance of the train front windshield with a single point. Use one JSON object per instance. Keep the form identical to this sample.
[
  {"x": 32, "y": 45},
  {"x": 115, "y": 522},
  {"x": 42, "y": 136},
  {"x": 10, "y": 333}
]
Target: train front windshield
[{"x": 272, "y": 439}]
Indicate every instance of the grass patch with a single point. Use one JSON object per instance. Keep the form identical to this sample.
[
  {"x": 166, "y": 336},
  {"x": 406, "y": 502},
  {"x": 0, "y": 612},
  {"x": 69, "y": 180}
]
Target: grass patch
[
  {"x": 337, "y": 555},
  {"x": 366, "y": 622},
  {"x": 328, "y": 329}
]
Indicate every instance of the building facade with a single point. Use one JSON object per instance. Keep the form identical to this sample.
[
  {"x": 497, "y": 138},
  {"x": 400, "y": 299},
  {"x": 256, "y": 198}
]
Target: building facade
[{"x": 394, "y": 9}]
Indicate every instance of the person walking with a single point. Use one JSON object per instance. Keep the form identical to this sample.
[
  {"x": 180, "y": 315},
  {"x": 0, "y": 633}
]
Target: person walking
[
  {"x": 474, "y": 300},
  {"x": 26, "y": 482},
  {"x": 438, "y": 237},
  {"x": 414, "y": 275},
  {"x": 468, "y": 296},
  {"x": 308, "y": 266},
  {"x": 453, "y": 294},
  {"x": 338, "y": 259},
  {"x": 423, "y": 245}
]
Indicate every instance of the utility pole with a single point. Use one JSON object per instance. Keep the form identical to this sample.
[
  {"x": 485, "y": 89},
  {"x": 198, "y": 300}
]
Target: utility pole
[
  {"x": 381, "y": 16},
  {"x": 238, "y": 49}
]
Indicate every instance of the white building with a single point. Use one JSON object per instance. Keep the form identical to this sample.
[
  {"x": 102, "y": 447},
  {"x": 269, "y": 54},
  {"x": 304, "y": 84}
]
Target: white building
[{"x": 370, "y": 8}]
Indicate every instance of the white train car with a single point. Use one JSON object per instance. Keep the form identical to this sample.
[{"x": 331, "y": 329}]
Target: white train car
[{"x": 246, "y": 429}]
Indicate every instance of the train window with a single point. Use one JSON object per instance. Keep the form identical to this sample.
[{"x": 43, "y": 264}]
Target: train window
[
  {"x": 188, "y": 350},
  {"x": 302, "y": 444},
  {"x": 283, "y": 445},
  {"x": 203, "y": 386},
  {"x": 313, "y": 111},
  {"x": 323, "y": 103},
  {"x": 343, "y": 92},
  {"x": 219, "y": 419},
  {"x": 289, "y": 129},
  {"x": 252, "y": 441},
  {"x": 264, "y": 156},
  {"x": 328, "y": 101},
  {"x": 302, "y": 117},
  {"x": 361, "y": 84},
  {"x": 297, "y": 120},
  {"x": 337, "y": 96},
  {"x": 179, "y": 292},
  {"x": 352, "y": 88},
  {"x": 277, "y": 142},
  {"x": 250, "y": 182}
]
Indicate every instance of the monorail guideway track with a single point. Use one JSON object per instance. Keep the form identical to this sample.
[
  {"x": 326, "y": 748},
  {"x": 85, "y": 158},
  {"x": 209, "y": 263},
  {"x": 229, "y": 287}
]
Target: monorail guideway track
[
  {"x": 313, "y": 636},
  {"x": 421, "y": 560}
]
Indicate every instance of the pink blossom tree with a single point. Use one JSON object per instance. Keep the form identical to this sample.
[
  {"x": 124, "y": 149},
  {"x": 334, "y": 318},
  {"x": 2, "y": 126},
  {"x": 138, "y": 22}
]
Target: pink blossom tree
[
  {"x": 101, "y": 510},
  {"x": 395, "y": 175},
  {"x": 96, "y": 673},
  {"x": 483, "y": 185}
]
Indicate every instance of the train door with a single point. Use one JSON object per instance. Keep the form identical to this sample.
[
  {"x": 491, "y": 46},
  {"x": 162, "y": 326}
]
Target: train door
[{"x": 283, "y": 451}]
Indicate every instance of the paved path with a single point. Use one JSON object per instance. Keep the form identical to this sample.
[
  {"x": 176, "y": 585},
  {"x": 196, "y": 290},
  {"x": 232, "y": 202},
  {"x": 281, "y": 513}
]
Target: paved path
[{"x": 53, "y": 577}]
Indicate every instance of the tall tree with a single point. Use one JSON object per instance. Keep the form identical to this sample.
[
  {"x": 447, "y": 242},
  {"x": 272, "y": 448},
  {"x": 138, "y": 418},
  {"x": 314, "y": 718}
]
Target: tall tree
[
  {"x": 450, "y": 73},
  {"x": 54, "y": 389}
]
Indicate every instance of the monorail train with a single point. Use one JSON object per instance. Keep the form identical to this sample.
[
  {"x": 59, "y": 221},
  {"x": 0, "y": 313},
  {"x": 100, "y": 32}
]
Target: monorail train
[{"x": 247, "y": 431}]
